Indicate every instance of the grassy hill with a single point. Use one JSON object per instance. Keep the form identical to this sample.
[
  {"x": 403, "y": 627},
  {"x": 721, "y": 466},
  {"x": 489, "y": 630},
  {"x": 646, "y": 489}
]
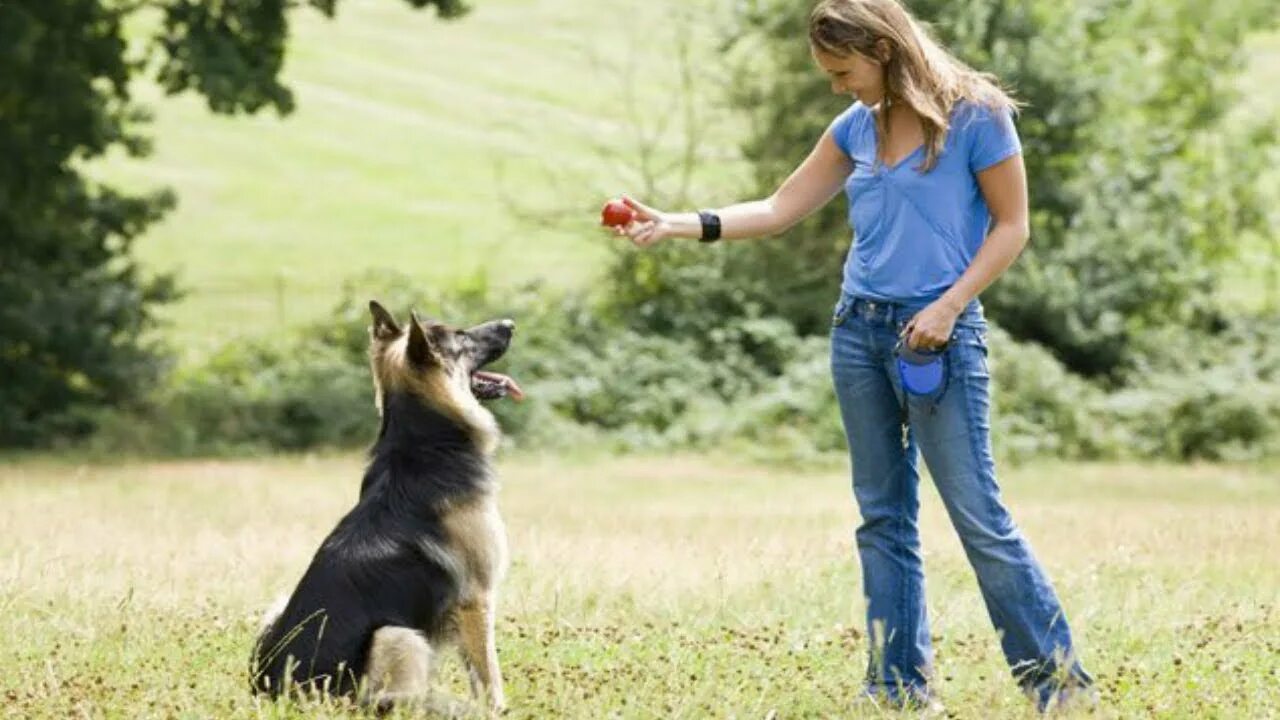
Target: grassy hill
[
  {"x": 426, "y": 146},
  {"x": 418, "y": 145}
]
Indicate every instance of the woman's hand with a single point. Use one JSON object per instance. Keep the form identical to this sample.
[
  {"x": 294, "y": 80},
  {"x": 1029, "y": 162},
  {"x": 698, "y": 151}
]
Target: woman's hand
[
  {"x": 648, "y": 227},
  {"x": 931, "y": 328}
]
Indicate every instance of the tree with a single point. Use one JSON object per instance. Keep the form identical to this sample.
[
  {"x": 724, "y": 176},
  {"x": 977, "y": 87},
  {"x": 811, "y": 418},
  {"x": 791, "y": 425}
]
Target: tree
[{"x": 75, "y": 307}]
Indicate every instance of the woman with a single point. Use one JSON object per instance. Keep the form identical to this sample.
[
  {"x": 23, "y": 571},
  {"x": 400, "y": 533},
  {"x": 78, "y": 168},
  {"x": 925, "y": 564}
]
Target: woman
[{"x": 931, "y": 164}]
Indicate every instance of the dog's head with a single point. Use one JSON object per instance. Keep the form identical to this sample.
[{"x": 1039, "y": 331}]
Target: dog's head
[{"x": 442, "y": 365}]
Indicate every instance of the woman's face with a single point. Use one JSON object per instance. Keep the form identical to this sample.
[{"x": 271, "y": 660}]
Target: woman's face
[{"x": 854, "y": 74}]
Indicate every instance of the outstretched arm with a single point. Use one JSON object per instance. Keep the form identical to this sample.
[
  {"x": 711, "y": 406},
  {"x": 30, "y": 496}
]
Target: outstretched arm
[{"x": 809, "y": 187}]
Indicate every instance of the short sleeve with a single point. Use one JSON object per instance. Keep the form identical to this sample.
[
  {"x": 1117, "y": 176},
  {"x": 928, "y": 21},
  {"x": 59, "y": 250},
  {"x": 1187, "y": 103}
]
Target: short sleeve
[
  {"x": 842, "y": 127},
  {"x": 994, "y": 138}
]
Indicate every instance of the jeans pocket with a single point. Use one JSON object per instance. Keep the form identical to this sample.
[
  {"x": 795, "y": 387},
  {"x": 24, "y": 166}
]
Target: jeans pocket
[
  {"x": 979, "y": 338},
  {"x": 970, "y": 343},
  {"x": 841, "y": 313}
]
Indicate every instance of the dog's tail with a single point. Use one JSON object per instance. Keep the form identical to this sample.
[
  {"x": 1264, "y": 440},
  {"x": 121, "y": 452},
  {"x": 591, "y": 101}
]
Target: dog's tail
[
  {"x": 266, "y": 623},
  {"x": 273, "y": 612}
]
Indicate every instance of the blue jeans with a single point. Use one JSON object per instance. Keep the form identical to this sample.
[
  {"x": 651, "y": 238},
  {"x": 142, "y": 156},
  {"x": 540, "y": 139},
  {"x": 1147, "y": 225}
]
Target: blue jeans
[{"x": 952, "y": 431}]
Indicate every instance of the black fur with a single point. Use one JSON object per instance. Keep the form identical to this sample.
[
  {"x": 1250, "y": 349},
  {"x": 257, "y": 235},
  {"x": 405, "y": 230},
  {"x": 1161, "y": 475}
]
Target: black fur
[{"x": 385, "y": 563}]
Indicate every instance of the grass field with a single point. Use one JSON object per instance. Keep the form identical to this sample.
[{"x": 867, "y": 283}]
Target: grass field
[{"x": 685, "y": 587}]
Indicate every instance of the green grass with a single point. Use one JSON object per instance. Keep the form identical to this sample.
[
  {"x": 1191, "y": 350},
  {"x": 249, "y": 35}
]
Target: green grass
[
  {"x": 418, "y": 145},
  {"x": 682, "y": 587}
]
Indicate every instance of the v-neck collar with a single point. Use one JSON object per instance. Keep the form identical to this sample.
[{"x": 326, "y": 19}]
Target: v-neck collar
[{"x": 889, "y": 167}]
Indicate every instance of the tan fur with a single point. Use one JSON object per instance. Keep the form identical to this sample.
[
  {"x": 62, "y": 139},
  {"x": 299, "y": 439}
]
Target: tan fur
[
  {"x": 475, "y": 635},
  {"x": 273, "y": 611},
  {"x": 451, "y": 393},
  {"x": 476, "y": 533},
  {"x": 442, "y": 387},
  {"x": 399, "y": 674},
  {"x": 399, "y": 663}
]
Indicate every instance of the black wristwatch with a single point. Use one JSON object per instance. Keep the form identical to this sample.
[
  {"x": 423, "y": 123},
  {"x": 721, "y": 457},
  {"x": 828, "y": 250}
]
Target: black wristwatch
[{"x": 710, "y": 226}]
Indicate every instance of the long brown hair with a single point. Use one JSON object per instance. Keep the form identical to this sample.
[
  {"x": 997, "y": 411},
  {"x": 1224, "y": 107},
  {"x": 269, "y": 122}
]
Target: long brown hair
[{"x": 919, "y": 71}]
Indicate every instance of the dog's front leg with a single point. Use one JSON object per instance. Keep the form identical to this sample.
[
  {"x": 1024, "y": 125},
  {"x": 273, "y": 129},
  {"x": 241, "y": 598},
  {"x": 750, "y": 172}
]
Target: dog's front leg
[{"x": 475, "y": 628}]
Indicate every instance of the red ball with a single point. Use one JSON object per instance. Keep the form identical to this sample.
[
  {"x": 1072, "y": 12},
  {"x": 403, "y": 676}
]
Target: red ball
[{"x": 616, "y": 213}]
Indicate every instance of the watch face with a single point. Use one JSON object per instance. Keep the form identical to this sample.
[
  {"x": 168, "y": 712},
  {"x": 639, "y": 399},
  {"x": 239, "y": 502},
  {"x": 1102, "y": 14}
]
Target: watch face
[{"x": 710, "y": 225}]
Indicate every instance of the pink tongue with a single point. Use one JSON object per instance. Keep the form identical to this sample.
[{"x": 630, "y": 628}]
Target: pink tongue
[{"x": 513, "y": 389}]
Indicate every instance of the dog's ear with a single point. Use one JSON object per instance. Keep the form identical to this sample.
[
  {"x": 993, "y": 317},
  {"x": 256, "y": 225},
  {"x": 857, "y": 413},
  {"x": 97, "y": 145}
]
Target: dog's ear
[
  {"x": 384, "y": 326},
  {"x": 420, "y": 351}
]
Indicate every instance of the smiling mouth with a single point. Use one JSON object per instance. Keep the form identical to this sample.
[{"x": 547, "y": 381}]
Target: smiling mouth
[{"x": 486, "y": 385}]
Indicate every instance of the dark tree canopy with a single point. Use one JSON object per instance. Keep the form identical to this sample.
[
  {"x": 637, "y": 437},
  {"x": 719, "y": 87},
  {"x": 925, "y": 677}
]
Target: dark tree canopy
[{"x": 75, "y": 308}]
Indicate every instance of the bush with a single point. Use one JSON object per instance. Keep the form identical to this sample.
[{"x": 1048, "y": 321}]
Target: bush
[
  {"x": 795, "y": 414},
  {"x": 585, "y": 380},
  {"x": 1208, "y": 415},
  {"x": 748, "y": 383},
  {"x": 1039, "y": 408},
  {"x": 1205, "y": 396}
]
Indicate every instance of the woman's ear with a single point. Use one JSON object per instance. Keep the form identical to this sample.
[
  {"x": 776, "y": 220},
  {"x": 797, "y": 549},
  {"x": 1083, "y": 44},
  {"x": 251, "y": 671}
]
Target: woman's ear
[{"x": 884, "y": 51}]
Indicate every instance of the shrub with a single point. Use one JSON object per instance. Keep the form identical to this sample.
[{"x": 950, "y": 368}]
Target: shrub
[{"x": 747, "y": 383}]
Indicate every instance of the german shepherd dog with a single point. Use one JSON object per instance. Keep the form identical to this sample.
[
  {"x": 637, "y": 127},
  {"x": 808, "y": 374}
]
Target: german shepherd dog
[{"x": 416, "y": 563}]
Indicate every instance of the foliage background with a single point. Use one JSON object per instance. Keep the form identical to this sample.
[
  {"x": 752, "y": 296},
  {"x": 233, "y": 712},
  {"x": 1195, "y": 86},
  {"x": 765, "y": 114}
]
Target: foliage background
[{"x": 1140, "y": 322}]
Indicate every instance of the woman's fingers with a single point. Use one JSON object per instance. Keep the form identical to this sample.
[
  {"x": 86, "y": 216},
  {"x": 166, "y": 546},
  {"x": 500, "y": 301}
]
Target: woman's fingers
[
  {"x": 645, "y": 212},
  {"x": 926, "y": 331},
  {"x": 645, "y": 228},
  {"x": 908, "y": 335},
  {"x": 925, "y": 339},
  {"x": 644, "y": 235},
  {"x": 919, "y": 337}
]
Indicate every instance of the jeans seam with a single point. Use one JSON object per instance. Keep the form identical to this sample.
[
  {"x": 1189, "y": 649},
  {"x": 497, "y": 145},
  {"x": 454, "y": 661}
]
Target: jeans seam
[
  {"x": 903, "y": 602},
  {"x": 971, "y": 421}
]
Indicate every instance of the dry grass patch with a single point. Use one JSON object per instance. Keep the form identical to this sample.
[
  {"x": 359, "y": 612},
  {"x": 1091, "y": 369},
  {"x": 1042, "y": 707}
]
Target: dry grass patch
[{"x": 642, "y": 587}]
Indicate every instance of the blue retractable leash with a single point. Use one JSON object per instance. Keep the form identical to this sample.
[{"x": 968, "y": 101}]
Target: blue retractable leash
[{"x": 923, "y": 373}]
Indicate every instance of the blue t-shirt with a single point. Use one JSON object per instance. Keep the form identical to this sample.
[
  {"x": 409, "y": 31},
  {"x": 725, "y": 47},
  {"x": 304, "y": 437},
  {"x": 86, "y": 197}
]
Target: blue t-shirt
[{"x": 915, "y": 234}]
